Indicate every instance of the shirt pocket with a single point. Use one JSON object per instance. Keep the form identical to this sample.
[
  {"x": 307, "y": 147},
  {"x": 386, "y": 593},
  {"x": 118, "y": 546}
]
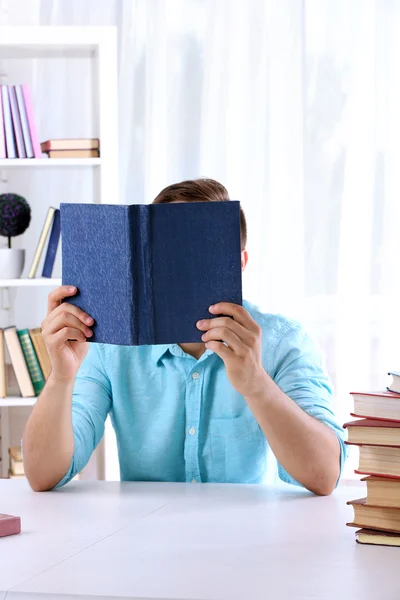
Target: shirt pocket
[{"x": 238, "y": 449}]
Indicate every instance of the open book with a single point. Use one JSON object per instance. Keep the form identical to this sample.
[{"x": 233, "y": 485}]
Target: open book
[{"x": 148, "y": 273}]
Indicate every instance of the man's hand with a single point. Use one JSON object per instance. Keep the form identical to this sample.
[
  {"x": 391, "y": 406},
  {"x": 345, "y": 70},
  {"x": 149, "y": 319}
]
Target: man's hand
[{"x": 242, "y": 352}]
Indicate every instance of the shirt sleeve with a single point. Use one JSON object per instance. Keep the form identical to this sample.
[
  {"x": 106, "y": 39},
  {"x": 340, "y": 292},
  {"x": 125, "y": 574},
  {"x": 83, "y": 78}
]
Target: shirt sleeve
[
  {"x": 91, "y": 403},
  {"x": 301, "y": 375}
]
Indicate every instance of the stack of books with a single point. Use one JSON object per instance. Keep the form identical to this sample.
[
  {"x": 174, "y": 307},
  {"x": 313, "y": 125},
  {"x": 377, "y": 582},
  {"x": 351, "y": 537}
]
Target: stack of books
[
  {"x": 16, "y": 468},
  {"x": 28, "y": 367},
  {"x": 72, "y": 148},
  {"x": 52, "y": 222},
  {"x": 377, "y": 433},
  {"x": 18, "y": 131}
]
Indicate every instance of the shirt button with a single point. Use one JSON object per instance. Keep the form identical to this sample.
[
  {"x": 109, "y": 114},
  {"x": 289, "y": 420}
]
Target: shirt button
[
  {"x": 195, "y": 376},
  {"x": 192, "y": 431}
]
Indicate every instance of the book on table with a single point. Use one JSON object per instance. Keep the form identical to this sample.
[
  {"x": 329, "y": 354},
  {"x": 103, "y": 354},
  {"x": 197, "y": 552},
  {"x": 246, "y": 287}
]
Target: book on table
[
  {"x": 148, "y": 273},
  {"x": 384, "y": 518},
  {"x": 382, "y": 491},
  {"x": 373, "y": 431},
  {"x": 379, "y": 460},
  {"x": 395, "y": 385},
  {"x": 377, "y": 538},
  {"x": 377, "y": 405}
]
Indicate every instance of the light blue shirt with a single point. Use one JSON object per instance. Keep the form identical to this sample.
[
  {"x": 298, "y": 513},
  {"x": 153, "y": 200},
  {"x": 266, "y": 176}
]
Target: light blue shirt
[{"x": 179, "y": 419}]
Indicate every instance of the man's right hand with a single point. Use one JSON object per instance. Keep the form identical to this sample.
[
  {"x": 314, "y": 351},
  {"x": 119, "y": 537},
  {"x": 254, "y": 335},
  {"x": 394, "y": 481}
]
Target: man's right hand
[{"x": 65, "y": 322}]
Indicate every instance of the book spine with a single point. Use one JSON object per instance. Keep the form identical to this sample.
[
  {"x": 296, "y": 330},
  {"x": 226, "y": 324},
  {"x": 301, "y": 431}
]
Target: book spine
[
  {"x": 17, "y": 123},
  {"x": 41, "y": 351},
  {"x": 3, "y": 386},
  {"x": 53, "y": 245},
  {"x": 24, "y": 121},
  {"x": 31, "y": 120},
  {"x": 8, "y": 125},
  {"x": 144, "y": 276},
  {"x": 31, "y": 360},
  {"x": 18, "y": 362},
  {"x": 41, "y": 243},
  {"x": 2, "y": 131}
]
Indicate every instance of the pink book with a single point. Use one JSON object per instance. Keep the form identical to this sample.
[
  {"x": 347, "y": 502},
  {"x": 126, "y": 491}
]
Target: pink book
[
  {"x": 31, "y": 120},
  {"x": 2, "y": 132},
  {"x": 17, "y": 123},
  {"x": 9, "y": 525}
]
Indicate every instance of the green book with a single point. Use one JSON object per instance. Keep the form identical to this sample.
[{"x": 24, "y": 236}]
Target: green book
[{"x": 31, "y": 360}]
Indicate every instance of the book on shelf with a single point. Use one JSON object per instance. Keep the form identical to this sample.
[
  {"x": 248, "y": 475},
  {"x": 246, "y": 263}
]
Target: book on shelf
[
  {"x": 24, "y": 121},
  {"x": 42, "y": 241},
  {"x": 3, "y": 382},
  {"x": 382, "y": 491},
  {"x": 377, "y": 538},
  {"x": 373, "y": 431},
  {"x": 11, "y": 148},
  {"x": 16, "y": 463},
  {"x": 18, "y": 362},
  {"x": 19, "y": 138},
  {"x": 3, "y": 152},
  {"x": 26, "y": 92},
  {"x": 31, "y": 360},
  {"x": 52, "y": 245},
  {"x": 148, "y": 273},
  {"x": 73, "y": 153},
  {"x": 41, "y": 351},
  {"x": 71, "y": 144},
  {"x": 377, "y": 405},
  {"x": 385, "y": 518},
  {"x": 395, "y": 385},
  {"x": 11, "y": 382},
  {"x": 17, "y": 123}
]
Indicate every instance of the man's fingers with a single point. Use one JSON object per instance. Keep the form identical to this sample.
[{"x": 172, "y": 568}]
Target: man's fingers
[
  {"x": 65, "y": 308},
  {"x": 66, "y": 319},
  {"x": 227, "y": 336},
  {"x": 65, "y": 334},
  {"x": 244, "y": 334},
  {"x": 55, "y": 297},
  {"x": 220, "y": 349},
  {"x": 236, "y": 311}
]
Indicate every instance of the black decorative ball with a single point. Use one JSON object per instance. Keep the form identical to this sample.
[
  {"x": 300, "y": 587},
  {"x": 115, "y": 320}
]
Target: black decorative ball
[{"x": 15, "y": 215}]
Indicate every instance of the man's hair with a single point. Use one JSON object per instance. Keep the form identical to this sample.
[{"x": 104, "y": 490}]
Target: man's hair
[{"x": 200, "y": 190}]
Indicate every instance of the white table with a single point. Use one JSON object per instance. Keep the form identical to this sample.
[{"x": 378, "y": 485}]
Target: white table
[{"x": 177, "y": 541}]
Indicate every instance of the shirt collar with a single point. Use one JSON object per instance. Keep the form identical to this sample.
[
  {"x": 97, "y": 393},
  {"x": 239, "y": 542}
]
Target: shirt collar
[{"x": 160, "y": 350}]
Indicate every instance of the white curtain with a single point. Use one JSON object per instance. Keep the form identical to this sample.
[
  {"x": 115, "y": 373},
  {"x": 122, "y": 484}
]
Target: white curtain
[{"x": 294, "y": 106}]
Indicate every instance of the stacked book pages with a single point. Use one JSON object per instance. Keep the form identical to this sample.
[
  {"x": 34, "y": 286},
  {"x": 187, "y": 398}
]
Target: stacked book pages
[
  {"x": 377, "y": 433},
  {"x": 16, "y": 468},
  {"x": 72, "y": 148}
]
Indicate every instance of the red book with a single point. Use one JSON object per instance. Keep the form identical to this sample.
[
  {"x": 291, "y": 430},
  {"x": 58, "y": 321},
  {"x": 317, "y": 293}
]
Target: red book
[
  {"x": 383, "y": 405},
  {"x": 384, "y": 518},
  {"x": 9, "y": 525},
  {"x": 380, "y": 461},
  {"x": 373, "y": 431}
]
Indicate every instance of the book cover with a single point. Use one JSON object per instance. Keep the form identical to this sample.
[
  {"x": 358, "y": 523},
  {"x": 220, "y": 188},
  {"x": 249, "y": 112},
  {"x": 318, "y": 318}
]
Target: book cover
[
  {"x": 19, "y": 138},
  {"x": 383, "y": 518},
  {"x": 26, "y": 92},
  {"x": 3, "y": 153},
  {"x": 373, "y": 431},
  {"x": 73, "y": 153},
  {"x": 71, "y": 144},
  {"x": 31, "y": 360},
  {"x": 42, "y": 241},
  {"x": 8, "y": 124},
  {"x": 41, "y": 351},
  {"x": 377, "y": 538},
  {"x": 3, "y": 386},
  {"x": 18, "y": 362},
  {"x": 24, "y": 121},
  {"x": 158, "y": 268},
  {"x": 52, "y": 246}
]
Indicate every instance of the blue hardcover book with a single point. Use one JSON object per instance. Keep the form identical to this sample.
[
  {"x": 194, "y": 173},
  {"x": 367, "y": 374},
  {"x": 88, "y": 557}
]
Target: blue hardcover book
[
  {"x": 53, "y": 245},
  {"x": 148, "y": 273}
]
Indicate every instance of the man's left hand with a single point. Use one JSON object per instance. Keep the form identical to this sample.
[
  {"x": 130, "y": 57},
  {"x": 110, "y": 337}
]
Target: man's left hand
[{"x": 237, "y": 341}]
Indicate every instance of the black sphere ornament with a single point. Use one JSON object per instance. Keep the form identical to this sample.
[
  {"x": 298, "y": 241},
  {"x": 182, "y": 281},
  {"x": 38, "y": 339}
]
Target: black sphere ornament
[{"x": 15, "y": 215}]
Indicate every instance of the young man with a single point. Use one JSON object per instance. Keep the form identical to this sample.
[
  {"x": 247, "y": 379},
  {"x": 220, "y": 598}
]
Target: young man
[{"x": 205, "y": 412}]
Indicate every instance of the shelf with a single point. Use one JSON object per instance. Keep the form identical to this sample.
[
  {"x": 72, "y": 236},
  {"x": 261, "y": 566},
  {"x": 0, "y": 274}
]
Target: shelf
[
  {"x": 17, "y": 401},
  {"x": 48, "y": 163},
  {"x": 36, "y": 282}
]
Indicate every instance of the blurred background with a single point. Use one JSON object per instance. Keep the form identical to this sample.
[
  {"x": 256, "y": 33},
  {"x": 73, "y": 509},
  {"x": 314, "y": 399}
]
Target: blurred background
[{"x": 294, "y": 106}]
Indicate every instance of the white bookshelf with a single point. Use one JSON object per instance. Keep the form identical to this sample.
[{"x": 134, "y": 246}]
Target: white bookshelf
[{"x": 99, "y": 44}]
